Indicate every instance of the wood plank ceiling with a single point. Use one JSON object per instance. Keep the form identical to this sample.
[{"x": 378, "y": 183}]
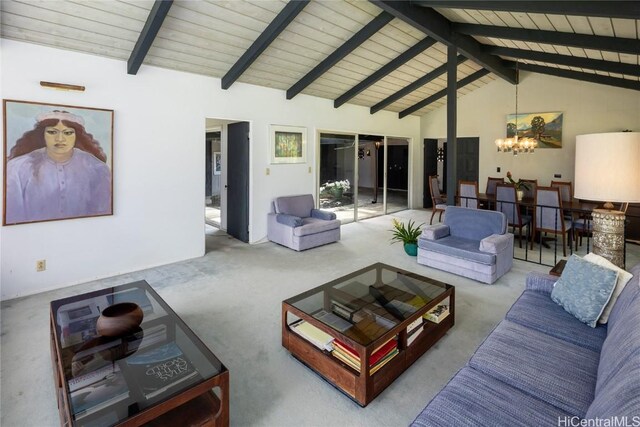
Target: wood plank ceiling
[{"x": 209, "y": 37}]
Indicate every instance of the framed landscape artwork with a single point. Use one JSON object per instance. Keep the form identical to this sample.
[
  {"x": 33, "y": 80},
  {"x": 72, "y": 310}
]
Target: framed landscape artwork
[
  {"x": 546, "y": 128},
  {"x": 288, "y": 144},
  {"x": 58, "y": 162}
]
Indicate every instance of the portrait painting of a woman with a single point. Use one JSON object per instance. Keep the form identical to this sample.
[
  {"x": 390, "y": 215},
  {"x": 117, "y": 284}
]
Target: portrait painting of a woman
[{"x": 57, "y": 169}]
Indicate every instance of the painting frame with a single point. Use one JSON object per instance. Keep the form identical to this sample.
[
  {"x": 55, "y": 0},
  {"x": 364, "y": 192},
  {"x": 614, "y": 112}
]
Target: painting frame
[
  {"x": 61, "y": 143},
  {"x": 217, "y": 162},
  {"x": 288, "y": 144},
  {"x": 545, "y": 127}
]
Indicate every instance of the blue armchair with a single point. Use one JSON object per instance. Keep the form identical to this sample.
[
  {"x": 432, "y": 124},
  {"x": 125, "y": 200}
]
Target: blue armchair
[
  {"x": 470, "y": 242},
  {"x": 296, "y": 224}
]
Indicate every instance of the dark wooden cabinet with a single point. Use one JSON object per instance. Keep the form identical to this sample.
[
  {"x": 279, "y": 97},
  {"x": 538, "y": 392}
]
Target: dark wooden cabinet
[{"x": 632, "y": 230}]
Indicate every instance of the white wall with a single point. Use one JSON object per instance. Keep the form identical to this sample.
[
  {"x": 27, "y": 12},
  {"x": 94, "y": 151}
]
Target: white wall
[
  {"x": 587, "y": 108},
  {"x": 159, "y": 162}
]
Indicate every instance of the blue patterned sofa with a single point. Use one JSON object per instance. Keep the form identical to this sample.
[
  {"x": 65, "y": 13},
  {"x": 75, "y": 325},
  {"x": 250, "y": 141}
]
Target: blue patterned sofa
[
  {"x": 470, "y": 242},
  {"x": 543, "y": 367}
]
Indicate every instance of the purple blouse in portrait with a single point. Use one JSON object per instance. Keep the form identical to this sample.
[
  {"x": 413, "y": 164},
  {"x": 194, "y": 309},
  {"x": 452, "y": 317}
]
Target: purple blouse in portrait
[{"x": 40, "y": 189}]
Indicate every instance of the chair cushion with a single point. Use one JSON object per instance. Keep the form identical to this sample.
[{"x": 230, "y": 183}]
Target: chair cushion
[
  {"x": 295, "y": 205},
  {"x": 289, "y": 220},
  {"x": 473, "y": 223},
  {"x": 584, "y": 289},
  {"x": 621, "y": 397},
  {"x": 537, "y": 311},
  {"x": 557, "y": 372},
  {"x": 314, "y": 226},
  {"x": 627, "y": 298},
  {"x": 475, "y": 399},
  {"x": 458, "y": 247},
  {"x": 623, "y": 339}
]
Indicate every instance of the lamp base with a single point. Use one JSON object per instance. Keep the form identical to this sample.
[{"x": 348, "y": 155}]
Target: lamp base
[{"x": 608, "y": 235}]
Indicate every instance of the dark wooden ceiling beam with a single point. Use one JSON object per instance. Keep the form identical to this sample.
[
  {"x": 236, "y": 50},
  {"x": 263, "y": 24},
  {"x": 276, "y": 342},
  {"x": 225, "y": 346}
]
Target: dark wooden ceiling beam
[
  {"x": 437, "y": 26},
  {"x": 575, "y": 75},
  {"x": 279, "y": 23},
  {"x": 612, "y": 9},
  {"x": 148, "y": 34},
  {"x": 461, "y": 83},
  {"x": 433, "y": 74},
  {"x": 572, "y": 61},
  {"x": 356, "y": 40},
  {"x": 401, "y": 59},
  {"x": 587, "y": 41}
]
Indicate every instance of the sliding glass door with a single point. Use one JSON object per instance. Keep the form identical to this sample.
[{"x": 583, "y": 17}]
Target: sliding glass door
[
  {"x": 362, "y": 176},
  {"x": 337, "y": 172},
  {"x": 397, "y": 166},
  {"x": 370, "y": 176}
]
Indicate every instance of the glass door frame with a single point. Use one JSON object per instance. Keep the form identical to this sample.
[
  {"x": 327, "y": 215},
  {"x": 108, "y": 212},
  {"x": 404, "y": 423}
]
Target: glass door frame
[{"x": 356, "y": 170}]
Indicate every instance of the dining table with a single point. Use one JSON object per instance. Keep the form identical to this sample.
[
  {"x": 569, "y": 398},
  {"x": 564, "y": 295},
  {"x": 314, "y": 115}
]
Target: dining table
[{"x": 575, "y": 207}]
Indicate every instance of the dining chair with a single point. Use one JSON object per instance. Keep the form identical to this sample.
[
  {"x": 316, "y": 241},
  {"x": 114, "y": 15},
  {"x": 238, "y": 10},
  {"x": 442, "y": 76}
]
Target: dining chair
[
  {"x": 566, "y": 193},
  {"x": 438, "y": 200},
  {"x": 491, "y": 190},
  {"x": 583, "y": 226},
  {"x": 491, "y": 185},
  {"x": 549, "y": 216},
  {"x": 507, "y": 203},
  {"x": 566, "y": 189},
  {"x": 468, "y": 194}
]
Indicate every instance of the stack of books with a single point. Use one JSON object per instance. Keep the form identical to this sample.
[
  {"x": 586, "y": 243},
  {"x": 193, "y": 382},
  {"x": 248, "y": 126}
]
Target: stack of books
[
  {"x": 314, "y": 335},
  {"x": 438, "y": 313},
  {"x": 414, "y": 329},
  {"x": 380, "y": 356}
]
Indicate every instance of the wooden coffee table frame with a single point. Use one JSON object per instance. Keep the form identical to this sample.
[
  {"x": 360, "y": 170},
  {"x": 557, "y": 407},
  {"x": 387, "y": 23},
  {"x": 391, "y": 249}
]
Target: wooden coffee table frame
[
  {"x": 362, "y": 387},
  {"x": 195, "y": 406}
]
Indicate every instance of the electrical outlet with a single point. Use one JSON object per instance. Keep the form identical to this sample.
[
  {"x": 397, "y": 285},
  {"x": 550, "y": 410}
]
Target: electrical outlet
[
  {"x": 41, "y": 265},
  {"x": 557, "y": 175},
  {"x": 268, "y": 171},
  {"x": 309, "y": 169},
  {"x": 498, "y": 169}
]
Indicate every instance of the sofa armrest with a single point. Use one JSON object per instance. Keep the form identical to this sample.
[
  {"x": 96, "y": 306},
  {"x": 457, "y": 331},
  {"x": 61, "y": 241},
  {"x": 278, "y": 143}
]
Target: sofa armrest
[
  {"x": 496, "y": 243},
  {"x": 289, "y": 220},
  {"x": 540, "y": 282},
  {"x": 435, "y": 232},
  {"x": 327, "y": 216}
]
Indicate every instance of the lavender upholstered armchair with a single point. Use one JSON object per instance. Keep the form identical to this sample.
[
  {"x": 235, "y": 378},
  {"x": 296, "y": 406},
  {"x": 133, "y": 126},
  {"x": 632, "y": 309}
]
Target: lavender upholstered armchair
[{"x": 296, "y": 224}]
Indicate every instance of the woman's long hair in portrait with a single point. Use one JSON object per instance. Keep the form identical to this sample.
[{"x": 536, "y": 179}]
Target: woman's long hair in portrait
[{"x": 34, "y": 139}]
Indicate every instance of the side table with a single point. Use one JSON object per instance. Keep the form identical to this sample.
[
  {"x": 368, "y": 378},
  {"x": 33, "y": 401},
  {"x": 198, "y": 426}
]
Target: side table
[{"x": 558, "y": 268}]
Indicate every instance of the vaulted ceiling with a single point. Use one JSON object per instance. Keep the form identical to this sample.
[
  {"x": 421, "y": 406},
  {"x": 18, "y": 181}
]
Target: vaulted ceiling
[{"x": 385, "y": 55}]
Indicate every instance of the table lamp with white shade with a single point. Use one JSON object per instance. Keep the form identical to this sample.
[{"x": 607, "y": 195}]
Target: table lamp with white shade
[{"x": 608, "y": 170}]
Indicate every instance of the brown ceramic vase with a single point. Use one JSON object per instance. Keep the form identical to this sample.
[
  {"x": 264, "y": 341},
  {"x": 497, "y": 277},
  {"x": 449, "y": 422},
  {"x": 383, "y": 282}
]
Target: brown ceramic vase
[{"x": 119, "y": 319}]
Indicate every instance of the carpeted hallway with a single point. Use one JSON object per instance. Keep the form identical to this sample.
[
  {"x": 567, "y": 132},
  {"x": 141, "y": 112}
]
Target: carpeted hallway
[{"x": 231, "y": 298}]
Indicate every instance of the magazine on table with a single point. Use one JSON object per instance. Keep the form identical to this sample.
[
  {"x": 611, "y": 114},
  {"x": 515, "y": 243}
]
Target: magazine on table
[
  {"x": 97, "y": 390},
  {"x": 161, "y": 368}
]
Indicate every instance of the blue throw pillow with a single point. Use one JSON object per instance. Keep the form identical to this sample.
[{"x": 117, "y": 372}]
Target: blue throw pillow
[{"x": 584, "y": 289}]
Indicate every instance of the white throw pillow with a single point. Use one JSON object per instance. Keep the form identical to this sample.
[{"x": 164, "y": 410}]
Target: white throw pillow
[{"x": 623, "y": 278}]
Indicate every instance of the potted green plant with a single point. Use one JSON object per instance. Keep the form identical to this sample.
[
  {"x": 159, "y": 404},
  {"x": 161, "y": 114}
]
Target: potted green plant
[
  {"x": 335, "y": 188},
  {"x": 407, "y": 235},
  {"x": 519, "y": 185}
]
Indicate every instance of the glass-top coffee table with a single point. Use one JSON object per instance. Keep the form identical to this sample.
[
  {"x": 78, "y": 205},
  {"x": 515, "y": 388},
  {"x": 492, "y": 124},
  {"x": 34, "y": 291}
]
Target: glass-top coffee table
[
  {"x": 361, "y": 331},
  {"x": 158, "y": 373}
]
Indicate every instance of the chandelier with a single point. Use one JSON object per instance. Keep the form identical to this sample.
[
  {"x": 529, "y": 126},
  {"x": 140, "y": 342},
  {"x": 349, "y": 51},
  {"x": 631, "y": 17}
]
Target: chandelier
[{"x": 515, "y": 144}]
